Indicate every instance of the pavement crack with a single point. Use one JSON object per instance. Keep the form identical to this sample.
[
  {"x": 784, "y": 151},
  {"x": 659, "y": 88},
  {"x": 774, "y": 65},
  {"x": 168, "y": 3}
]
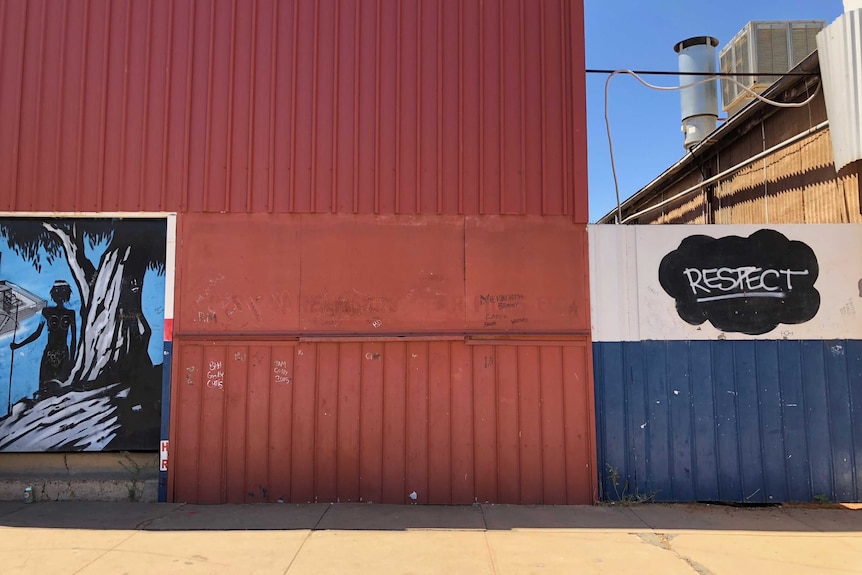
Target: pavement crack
[
  {"x": 147, "y": 522},
  {"x": 490, "y": 554},
  {"x": 663, "y": 541},
  {"x": 322, "y": 515},
  {"x": 105, "y": 552}
]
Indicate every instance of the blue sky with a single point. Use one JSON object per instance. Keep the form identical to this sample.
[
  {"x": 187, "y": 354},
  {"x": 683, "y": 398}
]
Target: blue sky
[{"x": 645, "y": 124}]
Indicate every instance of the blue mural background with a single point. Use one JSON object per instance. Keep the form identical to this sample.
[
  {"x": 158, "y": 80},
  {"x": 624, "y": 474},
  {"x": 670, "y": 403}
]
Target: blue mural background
[
  {"x": 24, "y": 371},
  {"x": 82, "y": 368}
]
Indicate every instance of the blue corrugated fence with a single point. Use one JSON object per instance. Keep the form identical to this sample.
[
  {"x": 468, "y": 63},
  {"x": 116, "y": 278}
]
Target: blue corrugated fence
[{"x": 756, "y": 421}]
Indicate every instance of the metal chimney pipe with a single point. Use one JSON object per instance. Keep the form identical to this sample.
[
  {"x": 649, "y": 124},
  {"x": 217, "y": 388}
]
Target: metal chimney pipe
[{"x": 699, "y": 103}]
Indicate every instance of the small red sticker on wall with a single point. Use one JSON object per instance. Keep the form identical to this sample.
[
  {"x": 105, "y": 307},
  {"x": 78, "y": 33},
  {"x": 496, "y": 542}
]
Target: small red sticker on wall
[{"x": 163, "y": 455}]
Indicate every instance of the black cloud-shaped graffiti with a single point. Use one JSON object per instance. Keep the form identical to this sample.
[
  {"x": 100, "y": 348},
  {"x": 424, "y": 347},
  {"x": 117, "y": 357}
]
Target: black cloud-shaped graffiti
[{"x": 746, "y": 285}]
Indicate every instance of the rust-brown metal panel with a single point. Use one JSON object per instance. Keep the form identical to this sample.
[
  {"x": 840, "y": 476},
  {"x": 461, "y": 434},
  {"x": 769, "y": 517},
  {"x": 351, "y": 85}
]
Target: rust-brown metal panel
[
  {"x": 238, "y": 273},
  {"x": 211, "y": 450},
  {"x": 349, "y": 404},
  {"x": 370, "y": 422},
  {"x": 394, "y": 422},
  {"x": 280, "y": 417},
  {"x": 508, "y": 470},
  {"x": 236, "y": 425},
  {"x": 530, "y": 425},
  {"x": 186, "y": 422},
  {"x": 301, "y": 434},
  {"x": 525, "y": 275},
  {"x": 452, "y": 421},
  {"x": 388, "y": 106},
  {"x": 485, "y": 425},
  {"x": 553, "y": 422},
  {"x": 416, "y": 437},
  {"x": 384, "y": 273},
  {"x": 439, "y": 423},
  {"x": 462, "y": 429},
  {"x": 580, "y": 441},
  {"x": 260, "y": 405},
  {"x": 326, "y": 430}
]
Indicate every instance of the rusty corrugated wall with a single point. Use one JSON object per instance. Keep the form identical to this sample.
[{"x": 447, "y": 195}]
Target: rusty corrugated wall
[
  {"x": 452, "y": 421},
  {"x": 465, "y": 338},
  {"x": 367, "y": 106},
  {"x": 361, "y": 177}
]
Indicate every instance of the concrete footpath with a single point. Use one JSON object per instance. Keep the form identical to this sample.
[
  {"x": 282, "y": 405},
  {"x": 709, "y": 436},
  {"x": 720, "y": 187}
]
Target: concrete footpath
[{"x": 91, "y": 538}]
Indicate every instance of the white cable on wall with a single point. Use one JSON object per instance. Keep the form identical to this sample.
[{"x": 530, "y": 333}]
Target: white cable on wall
[{"x": 674, "y": 88}]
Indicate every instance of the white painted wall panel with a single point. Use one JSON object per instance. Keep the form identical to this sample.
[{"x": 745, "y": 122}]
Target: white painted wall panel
[{"x": 629, "y": 303}]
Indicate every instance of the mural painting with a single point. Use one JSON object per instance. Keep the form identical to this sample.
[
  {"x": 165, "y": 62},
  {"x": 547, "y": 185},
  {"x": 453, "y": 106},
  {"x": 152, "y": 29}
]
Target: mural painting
[
  {"x": 746, "y": 285},
  {"x": 81, "y": 333}
]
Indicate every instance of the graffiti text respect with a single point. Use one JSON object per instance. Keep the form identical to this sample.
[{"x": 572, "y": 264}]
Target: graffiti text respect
[{"x": 711, "y": 284}]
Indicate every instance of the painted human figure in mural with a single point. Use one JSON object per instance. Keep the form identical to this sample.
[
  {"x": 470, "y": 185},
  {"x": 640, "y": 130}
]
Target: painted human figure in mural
[
  {"x": 57, "y": 357},
  {"x": 100, "y": 375}
]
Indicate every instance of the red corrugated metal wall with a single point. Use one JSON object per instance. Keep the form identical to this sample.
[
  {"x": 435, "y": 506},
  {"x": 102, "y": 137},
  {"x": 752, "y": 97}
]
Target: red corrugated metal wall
[
  {"x": 454, "y": 421},
  {"x": 344, "y": 171},
  {"x": 367, "y": 106}
]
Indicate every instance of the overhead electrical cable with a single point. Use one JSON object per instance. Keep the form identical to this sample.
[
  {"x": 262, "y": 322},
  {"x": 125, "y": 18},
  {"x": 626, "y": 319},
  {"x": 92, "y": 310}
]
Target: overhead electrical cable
[{"x": 714, "y": 77}]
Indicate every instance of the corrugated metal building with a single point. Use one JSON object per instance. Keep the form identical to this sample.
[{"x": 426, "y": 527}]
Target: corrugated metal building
[
  {"x": 711, "y": 389},
  {"x": 381, "y": 257},
  {"x": 764, "y": 165},
  {"x": 714, "y": 382}
]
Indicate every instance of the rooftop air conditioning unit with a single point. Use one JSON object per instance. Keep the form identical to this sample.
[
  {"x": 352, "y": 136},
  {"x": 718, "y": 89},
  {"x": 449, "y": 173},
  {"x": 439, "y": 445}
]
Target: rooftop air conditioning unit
[{"x": 767, "y": 49}]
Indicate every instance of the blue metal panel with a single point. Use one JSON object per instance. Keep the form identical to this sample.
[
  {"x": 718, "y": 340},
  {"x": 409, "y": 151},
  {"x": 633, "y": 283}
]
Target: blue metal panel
[
  {"x": 164, "y": 432},
  {"x": 745, "y": 421}
]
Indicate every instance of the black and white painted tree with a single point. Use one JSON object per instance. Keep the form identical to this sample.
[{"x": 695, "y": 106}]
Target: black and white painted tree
[{"x": 113, "y": 333}]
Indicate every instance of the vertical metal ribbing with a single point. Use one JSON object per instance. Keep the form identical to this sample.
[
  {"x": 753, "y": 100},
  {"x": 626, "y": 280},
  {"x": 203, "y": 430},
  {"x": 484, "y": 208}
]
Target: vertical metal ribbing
[
  {"x": 17, "y": 137},
  {"x": 184, "y": 198},
  {"x": 231, "y": 82},
  {"x": 417, "y": 209},
  {"x": 522, "y": 83},
  {"x": 295, "y": 58},
  {"x": 564, "y": 108},
  {"x": 39, "y": 91},
  {"x": 315, "y": 105},
  {"x": 58, "y": 141},
  {"x": 501, "y": 79},
  {"x": 273, "y": 93},
  {"x": 124, "y": 114},
  {"x": 377, "y": 74},
  {"x": 252, "y": 92},
  {"x": 333, "y": 198},
  {"x": 356, "y": 70},
  {"x": 481, "y": 108},
  {"x": 209, "y": 111},
  {"x": 79, "y": 153},
  {"x": 169, "y": 60},
  {"x": 146, "y": 112},
  {"x": 398, "y": 36},
  {"x": 439, "y": 137},
  {"x": 461, "y": 107}
]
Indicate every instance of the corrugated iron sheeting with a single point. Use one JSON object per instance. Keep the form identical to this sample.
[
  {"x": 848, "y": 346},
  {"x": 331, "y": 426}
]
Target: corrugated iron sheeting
[
  {"x": 368, "y": 106},
  {"x": 797, "y": 184},
  {"x": 838, "y": 50},
  {"x": 745, "y": 421},
  {"x": 456, "y": 422}
]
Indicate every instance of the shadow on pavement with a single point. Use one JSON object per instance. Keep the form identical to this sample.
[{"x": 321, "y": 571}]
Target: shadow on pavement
[{"x": 380, "y": 517}]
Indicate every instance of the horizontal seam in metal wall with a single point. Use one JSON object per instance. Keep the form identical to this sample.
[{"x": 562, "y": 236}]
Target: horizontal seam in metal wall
[{"x": 552, "y": 338}]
